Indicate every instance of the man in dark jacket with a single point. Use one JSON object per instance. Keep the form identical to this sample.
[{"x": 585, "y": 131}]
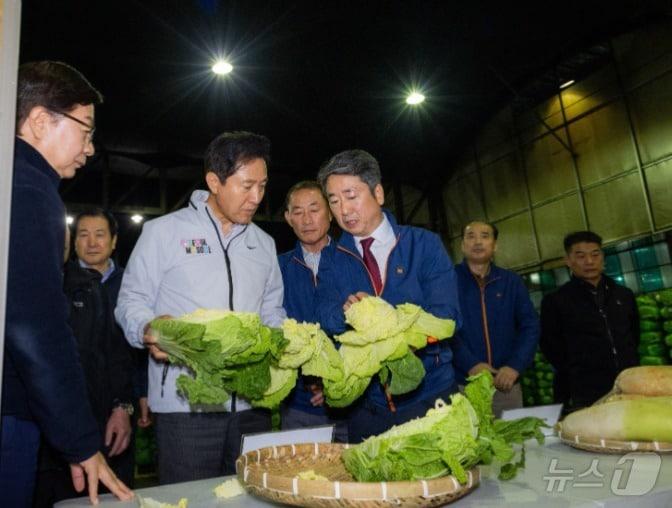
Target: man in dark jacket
[
  {"x": 401, "y": 264},
  {"x": 43, "y": 384},
  {"x": 96, "y": 233},
  {"x": 589, "y": 326},
  {"x": 108, "y": 370},
  {"x": 500, "y": 329},
  {"x": 307, "y": 213}
]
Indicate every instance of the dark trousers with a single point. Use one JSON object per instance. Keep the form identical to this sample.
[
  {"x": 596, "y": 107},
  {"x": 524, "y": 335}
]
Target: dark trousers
[
  {"x": 19, "y": 445},
  {"x": 194, "y": 446},
  {"x": 55, "y": 485},
  {"x": 369, "y": 419},
  {"x": 292, "y": 418}
]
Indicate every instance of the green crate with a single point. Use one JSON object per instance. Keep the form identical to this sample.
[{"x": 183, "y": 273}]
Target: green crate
[
  {"x": 612, "y": 266},
  {"x": 645, "y": 257},
  {"x": 650, "y": 280}
]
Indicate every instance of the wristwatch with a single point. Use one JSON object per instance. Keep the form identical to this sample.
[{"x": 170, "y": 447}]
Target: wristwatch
[{"x": 126, "y": 406}]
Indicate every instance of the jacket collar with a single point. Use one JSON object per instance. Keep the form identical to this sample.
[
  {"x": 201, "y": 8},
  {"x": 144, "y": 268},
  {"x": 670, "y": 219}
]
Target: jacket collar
[
  {"x": 198, "y": 203},
  {"x": 605, "y": 283},
  {"x": 494, "y": 273},
  {"x": 26, "y": 152},
  {"x": 118, "y": 272},
  {"x": 111, "y": 268},
  {"x": 298, "y": 250},
  {"x": 347, "y": 241},
  {"x": 77, "y": 276}
]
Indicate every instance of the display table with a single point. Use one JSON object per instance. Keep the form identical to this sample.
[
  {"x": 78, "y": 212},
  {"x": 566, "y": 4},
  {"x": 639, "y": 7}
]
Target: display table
[{"x": 554, "y": 476}]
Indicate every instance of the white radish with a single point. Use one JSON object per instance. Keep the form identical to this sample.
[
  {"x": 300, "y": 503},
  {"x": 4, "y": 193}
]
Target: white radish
[
  {"x": 645, "y": 419},
  {"x": 646, "y": 380}
]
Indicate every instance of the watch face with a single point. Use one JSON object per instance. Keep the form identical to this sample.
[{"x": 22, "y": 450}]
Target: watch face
[{"x": 127, "y": 407}]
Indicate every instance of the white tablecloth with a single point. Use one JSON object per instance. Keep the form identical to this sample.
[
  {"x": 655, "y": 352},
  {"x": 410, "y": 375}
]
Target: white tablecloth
[{"x": 554, "y": 476}]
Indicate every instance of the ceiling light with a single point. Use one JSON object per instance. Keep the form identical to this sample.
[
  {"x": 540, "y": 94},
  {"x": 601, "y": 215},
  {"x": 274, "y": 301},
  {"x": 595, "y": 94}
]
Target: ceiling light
[
  {"x": 137, "y": 219},
  {"x": 69, "y": 219},
  {"x": 222, "y": 67},
  {"x": 415, "y": 98},
  {"x": 566, "y": 84}
]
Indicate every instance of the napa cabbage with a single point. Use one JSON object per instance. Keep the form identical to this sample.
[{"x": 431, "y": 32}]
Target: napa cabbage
[
  {"x": 227, "y": 352},
  {"x": 382, "y": 342},
  {"x": 449, "y": 439}
]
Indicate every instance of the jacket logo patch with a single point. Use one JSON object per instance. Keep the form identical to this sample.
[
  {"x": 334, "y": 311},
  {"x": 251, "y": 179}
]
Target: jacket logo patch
[
  {"x": 399, "y": 270},
  {"x": 195, "y": 246},
  {"x": 77, "y": 304},
  {"x": 498, "y": 295}
]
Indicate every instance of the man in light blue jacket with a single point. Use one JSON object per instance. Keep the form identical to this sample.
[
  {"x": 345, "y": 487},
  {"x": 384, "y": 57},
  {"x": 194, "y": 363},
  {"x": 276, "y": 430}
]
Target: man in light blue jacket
[{"x": 207, "y": 255}]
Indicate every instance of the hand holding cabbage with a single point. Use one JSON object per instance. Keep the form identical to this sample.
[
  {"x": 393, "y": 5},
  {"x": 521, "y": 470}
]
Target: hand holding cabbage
[
  {"x": 234, "y": 352},
  {"x": 227, "y": 352},
  {"x": 382, "y": 342}
]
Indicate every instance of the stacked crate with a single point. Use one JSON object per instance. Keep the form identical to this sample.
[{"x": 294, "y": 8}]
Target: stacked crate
[
  {"x": 537, "y": 382},
  {"x": 655, "y": 323},
  {"x": 652, "y": 348}
]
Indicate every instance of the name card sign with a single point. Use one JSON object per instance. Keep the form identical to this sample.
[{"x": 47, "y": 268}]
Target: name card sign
[{"x": 320, "y": 434}]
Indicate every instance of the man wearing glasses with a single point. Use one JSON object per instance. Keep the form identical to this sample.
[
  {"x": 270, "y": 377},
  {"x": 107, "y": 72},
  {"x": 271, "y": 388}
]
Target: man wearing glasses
[{"x": 43, "y": 387}]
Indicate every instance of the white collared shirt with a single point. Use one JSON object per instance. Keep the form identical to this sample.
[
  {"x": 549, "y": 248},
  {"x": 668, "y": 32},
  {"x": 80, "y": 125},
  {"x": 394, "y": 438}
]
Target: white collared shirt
[
  {"x": 106, "y": 274},
  {"x": 312, "y": 259},
  {"x": 382, "y": 245}
]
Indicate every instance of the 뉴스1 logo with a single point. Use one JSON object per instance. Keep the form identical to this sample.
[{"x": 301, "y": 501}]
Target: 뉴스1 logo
[
  {"x": 633, "y": 474},
  {"x": 195, "y": 246}
]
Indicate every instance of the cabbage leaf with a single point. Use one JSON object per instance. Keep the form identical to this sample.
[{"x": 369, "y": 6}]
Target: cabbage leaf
[
  {"x": 449, "y": 439},
  {"x": 382, "y": 342}
]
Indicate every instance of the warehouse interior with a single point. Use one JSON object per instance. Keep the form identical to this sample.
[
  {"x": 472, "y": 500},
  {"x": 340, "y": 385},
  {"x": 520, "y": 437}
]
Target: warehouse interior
[
  {"x": 540, "y": 120},
  {"x": 497, "y": 137}
]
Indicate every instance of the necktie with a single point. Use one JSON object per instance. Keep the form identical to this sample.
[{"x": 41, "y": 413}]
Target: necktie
[{"x": 371, "y": 265}]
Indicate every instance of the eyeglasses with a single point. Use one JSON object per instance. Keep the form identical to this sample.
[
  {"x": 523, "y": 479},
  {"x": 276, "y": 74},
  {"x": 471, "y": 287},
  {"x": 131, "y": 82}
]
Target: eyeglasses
[{"x": 89, "y": 132}]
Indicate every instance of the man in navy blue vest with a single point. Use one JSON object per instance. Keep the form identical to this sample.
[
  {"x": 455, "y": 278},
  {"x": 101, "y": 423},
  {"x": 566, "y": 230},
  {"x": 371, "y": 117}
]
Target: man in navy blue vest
[
  {"x": 401, "y": 264},
  {"x": 307, "y": 212},
  {"x": 500, "y": 328}
]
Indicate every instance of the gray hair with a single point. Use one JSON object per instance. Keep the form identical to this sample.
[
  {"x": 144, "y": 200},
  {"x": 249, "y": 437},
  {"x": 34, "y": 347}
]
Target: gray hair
[{"x": 351, "y": 162}]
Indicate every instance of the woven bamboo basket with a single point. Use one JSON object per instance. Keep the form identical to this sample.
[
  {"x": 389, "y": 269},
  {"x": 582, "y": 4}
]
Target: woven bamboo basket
[
  {"x": 612, "y": 446},
  {"x": 272, "y": 472}
]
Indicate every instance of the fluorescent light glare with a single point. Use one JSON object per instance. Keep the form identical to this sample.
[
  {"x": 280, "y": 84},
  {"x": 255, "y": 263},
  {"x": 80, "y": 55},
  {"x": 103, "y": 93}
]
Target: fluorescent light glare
[
  {"x": 415, "y": 98},
  {"x": 69, "y": 219},
  {"x": 222, "y": 67},
  {"x": 137, "y": 219},
  {"x": 566, "y": 84}
]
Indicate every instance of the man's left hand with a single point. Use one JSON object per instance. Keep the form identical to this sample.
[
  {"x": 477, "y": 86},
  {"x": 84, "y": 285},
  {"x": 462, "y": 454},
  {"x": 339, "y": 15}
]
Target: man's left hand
[
  {"x": 505, "y": 378},
  {"x": 118, "y": 432}
]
